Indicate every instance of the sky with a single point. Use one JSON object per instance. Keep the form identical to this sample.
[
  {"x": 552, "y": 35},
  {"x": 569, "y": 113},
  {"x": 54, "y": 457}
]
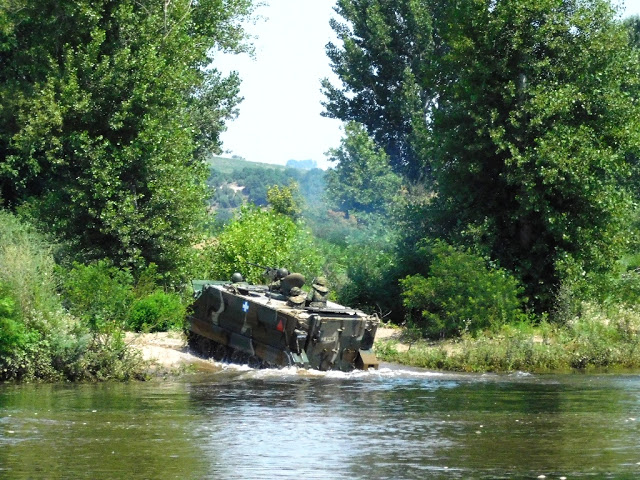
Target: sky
[{"x": 280, "y": 116}]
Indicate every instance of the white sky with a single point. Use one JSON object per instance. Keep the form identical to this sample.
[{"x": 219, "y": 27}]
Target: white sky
[{"x": 280, "y": 116}]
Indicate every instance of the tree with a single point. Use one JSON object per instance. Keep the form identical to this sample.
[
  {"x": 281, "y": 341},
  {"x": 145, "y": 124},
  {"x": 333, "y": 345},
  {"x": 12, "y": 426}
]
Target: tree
[
  {"x": 385, "y": 63},
  {"x": 362, "y": 180},
  {"x": 260, "y": 237},
  {"x": 633, "y": 28},
  {"x": 106, "y": 107},
  {"x": 286, "y": 200},
  {"x": 537, "y": 112},
  {"x": 531, "y": 118}
]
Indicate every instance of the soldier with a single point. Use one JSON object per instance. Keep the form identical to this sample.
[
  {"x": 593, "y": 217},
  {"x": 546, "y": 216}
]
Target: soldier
[
  {"x": 296, "y": 298},
  {"x": 238, "y": 285},
  {"x": 276, "y": 284},
  {"x": 319, "y": 293},
  {"x": 237, "y": 278}
]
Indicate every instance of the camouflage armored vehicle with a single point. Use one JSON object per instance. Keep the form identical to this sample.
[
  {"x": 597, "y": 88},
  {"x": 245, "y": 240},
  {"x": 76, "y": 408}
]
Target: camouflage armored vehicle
[{"x": 253, "y": 324}]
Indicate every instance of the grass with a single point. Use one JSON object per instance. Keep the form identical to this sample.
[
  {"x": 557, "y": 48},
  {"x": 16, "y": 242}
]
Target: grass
[{"x": 600, "y": 339}]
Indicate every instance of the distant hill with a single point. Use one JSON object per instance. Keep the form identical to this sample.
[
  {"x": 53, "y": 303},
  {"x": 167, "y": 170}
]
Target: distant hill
[
  {"x": 228, "y": 165},
  {"x": 234, "y": 181}
]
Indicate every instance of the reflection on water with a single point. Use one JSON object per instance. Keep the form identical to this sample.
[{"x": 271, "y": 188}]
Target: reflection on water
[{"x": 390, "y": 424}]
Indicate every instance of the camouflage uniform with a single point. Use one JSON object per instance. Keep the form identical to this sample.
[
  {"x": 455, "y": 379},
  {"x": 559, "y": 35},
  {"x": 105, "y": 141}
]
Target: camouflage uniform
[{"x": 319, "y": 293}]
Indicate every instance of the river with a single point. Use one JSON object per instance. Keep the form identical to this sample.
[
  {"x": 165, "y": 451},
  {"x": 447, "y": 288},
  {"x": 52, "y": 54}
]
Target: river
[{"x": 396, "y": 423}]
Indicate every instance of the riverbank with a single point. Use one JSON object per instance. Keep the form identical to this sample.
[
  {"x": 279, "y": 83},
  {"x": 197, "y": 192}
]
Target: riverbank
[
  {"x": 583, "y": 345},
  {"x": 589, "y": 343},
  {"x": 168, "y": 352}
]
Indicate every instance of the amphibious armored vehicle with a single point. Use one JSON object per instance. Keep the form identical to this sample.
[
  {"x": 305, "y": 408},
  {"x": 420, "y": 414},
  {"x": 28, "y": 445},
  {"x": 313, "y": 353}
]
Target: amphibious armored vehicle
[{"x": 253, "y": 324}]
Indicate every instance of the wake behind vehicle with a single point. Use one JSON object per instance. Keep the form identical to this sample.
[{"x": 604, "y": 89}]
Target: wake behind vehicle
[{"x": 254, "y": 324}]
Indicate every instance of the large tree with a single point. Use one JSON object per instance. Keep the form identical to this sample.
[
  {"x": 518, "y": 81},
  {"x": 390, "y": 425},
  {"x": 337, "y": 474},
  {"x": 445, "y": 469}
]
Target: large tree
[
  {"x": 537, "y": 112},
  {"x": 107, "y": 107},
  {"x": 384, "y": 63},
  {"x": 532, "y": 115}
]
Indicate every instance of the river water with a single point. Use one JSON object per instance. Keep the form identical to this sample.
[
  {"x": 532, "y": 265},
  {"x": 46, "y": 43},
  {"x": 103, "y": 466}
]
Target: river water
[{"x": 396, "y": 423}]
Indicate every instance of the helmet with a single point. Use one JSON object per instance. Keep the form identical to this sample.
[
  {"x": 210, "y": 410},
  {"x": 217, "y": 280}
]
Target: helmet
[
  {"x": 237, "y": 278},
  {"x": 295, "y": 291},
  {"x": 282, "y": 272},
  {"x": 320, "y": 284}
]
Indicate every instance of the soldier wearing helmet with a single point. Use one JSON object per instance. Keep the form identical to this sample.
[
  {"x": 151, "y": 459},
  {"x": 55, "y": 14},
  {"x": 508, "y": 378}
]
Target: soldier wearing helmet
[
  {"x": 275, "y": 285},
  {"x": 319, "y": 293},
  {"x": 237, "y": 278},
  {"x": 296, "y": 298}
]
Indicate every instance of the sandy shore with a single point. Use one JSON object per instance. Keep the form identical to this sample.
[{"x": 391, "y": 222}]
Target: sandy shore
[{"x": 169, "y": 351}]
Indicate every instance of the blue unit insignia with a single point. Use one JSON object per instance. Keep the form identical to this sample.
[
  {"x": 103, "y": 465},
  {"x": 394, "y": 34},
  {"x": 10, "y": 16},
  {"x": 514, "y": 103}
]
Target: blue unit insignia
[{"x": 245, "y": 306}]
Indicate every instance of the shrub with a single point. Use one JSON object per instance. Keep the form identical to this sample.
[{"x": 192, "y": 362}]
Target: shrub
[
  {"x": 38, "y": 339},
  {"x": 99, "y": 294},
  {"x": 27, "y": 271},
  {"x": 13, "y": 334},
  {"x": 157, "y": 312},
  {"x": 264, "y": 238},
  {"x": 461, "y": 293},
  {"x": 371, "y": 266}
]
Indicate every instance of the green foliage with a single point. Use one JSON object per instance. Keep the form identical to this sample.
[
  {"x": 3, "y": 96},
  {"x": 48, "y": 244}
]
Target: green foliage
[
  {"x": 38, "y": 339},
  {"x": 226, "y": 197},
  {"x": 362, "y": 180},
  {"x": 286, "y": 200},
  {"x": 594, "y": 340},
  {"x": 632, "y": 24},
  {"x": 461, "y": 294},
  {"x": 107, "y": 110},
  {"x": 372, "y": 269},
  {"x": 26, "y": 269},
  {"x": 261, "y": 237},
  {"x": 157, "y": 312},
  {"x": 539, "y": 137},
  {"x": 100, "y": 294},
  {"x": 12, "y": 330},
  {"x": 527, "y": 119},
  {"x": 98, "y": 358},
  {"x": 385, "y": 66}
]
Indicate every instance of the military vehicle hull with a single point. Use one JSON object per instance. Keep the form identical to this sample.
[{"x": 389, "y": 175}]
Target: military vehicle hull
[{"x": 249, "y": 324}]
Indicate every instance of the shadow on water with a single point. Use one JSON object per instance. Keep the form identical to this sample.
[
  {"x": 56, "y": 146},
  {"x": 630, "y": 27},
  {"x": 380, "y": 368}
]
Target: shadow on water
[{"x": 391, "y": 424}]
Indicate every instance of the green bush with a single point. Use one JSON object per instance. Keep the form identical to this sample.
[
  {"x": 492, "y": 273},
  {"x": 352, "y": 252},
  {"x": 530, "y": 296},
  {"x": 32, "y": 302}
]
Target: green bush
[
  {"x": 99, "y": 294},
  {"x": 461, "y": 293},
  {"x": 27, "y": 270},
  {"x": 372, "y": 282},
  {"x": 13, "y": 334},
  {"x": 599, "y": 338},
  {"x": 260, "y": 237},
  {"x": 39, "y": 340},
  {"x": 157, "y": 312}
]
